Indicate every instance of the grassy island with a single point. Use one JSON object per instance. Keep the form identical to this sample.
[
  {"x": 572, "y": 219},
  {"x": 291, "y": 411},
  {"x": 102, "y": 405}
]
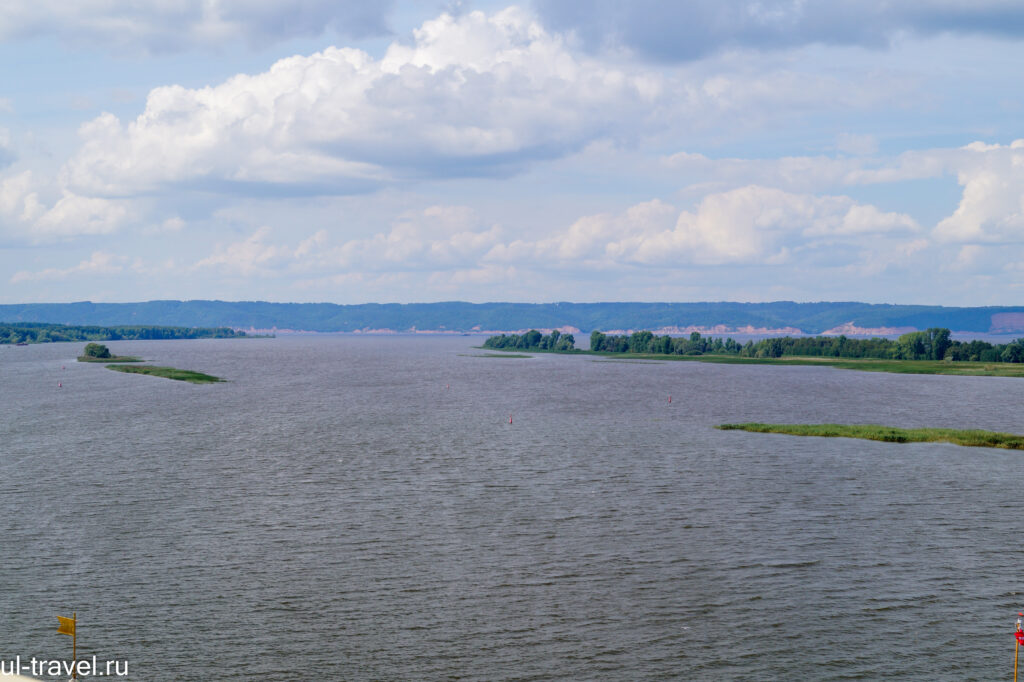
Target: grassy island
[
  {"x": 97, "y": 352},
  {"x": 168, "y": 373},
  {"x": 889, "y": 434}
]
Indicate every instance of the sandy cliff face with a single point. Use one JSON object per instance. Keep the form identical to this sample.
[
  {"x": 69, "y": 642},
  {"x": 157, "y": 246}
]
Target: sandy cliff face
[
  {"x": 850, "y": 329},
  {"x": 1007, "y": 323},
  {"x": 717, "y": 330}
]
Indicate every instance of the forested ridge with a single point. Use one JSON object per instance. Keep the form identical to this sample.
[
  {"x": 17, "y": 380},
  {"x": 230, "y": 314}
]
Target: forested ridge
[{"x": 460, "y": 316}]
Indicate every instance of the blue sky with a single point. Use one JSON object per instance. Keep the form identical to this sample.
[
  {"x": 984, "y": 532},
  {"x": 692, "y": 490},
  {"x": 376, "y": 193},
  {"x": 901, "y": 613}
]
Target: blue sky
[{"x": 326, "y": 150}]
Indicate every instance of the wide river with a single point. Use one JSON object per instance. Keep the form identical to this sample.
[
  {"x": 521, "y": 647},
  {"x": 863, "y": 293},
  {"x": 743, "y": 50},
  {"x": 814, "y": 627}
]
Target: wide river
[{"x": 404, "y": 508}]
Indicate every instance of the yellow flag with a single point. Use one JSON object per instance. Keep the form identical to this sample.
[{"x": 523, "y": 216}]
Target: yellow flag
[{"x": 67, "y": 626}]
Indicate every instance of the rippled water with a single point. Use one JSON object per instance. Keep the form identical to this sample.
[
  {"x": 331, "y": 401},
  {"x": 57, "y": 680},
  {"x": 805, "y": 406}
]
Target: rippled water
[{"x": 334, "y": 512}]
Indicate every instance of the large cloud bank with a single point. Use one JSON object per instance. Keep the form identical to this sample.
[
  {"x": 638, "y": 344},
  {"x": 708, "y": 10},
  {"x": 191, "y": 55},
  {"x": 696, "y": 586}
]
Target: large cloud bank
[{"x": 472, "y": 95}]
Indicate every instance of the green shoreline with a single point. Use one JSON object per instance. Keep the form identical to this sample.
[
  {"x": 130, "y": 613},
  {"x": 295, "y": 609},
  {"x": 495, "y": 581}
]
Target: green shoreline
[
  {"x": 168, "y": 373},
  {"x": 966, "y": 437},
  {"x": 986, "y": 369}
]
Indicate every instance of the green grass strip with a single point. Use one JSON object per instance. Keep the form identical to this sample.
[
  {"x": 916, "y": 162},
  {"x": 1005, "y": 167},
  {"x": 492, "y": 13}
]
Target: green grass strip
[
  {"x": 496, "y": 355},
  {"x": 112, "y": 358},
  {"x": 974, "y": 369},
  {"x": 167, "y": 373},
  {"x": 967, "y": 437}
]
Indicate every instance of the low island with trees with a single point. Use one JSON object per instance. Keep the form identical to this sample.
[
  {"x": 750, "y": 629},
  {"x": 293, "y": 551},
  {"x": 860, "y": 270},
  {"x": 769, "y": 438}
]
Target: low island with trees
[{"x": 932, "y": 351}]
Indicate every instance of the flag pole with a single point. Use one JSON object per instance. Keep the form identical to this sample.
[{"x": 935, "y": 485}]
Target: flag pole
[
  {"x": 67, "y": 626},
  {"x": 1016, "y": 647}
]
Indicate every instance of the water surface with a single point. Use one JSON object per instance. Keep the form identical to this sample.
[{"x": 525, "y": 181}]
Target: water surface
[{"x": 361, "y": 508}]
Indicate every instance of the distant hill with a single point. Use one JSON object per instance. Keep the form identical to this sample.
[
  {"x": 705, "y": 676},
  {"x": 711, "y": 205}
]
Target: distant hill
[{"x": 850, "y": 318}]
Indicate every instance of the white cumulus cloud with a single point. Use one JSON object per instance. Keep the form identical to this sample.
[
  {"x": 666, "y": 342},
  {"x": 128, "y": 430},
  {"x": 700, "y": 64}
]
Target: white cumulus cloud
[
  {"x": 751, "y": 224},
  {"x": 438, "y": 237},
  {"x": 99, "y": 263},
  {"x": 34, "y": 210},
  {"x": 991, "y": 208},
  {"x": 477, "y": 94},
  {"x": 249, "y": 256}
]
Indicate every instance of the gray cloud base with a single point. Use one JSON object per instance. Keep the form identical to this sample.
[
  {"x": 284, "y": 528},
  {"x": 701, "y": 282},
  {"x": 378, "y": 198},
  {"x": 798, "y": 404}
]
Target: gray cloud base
[
  {"x": 677, "y": 31},
  {"x": 173, "y": 27}
]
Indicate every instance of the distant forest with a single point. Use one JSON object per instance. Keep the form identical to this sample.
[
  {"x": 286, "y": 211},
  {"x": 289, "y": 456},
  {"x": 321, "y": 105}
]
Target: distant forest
[
  {"x": 28, "y": 332},
  {"x": 457, "y": 316},
  {"x": 931, "y": 344}
]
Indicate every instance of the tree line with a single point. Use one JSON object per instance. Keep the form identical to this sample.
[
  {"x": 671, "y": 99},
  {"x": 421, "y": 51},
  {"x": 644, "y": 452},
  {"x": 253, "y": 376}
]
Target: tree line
[
  {"x": 931, "y": 344},
  {"x": 532, "y": 340},
  {"x": 34, "y": 332}
]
